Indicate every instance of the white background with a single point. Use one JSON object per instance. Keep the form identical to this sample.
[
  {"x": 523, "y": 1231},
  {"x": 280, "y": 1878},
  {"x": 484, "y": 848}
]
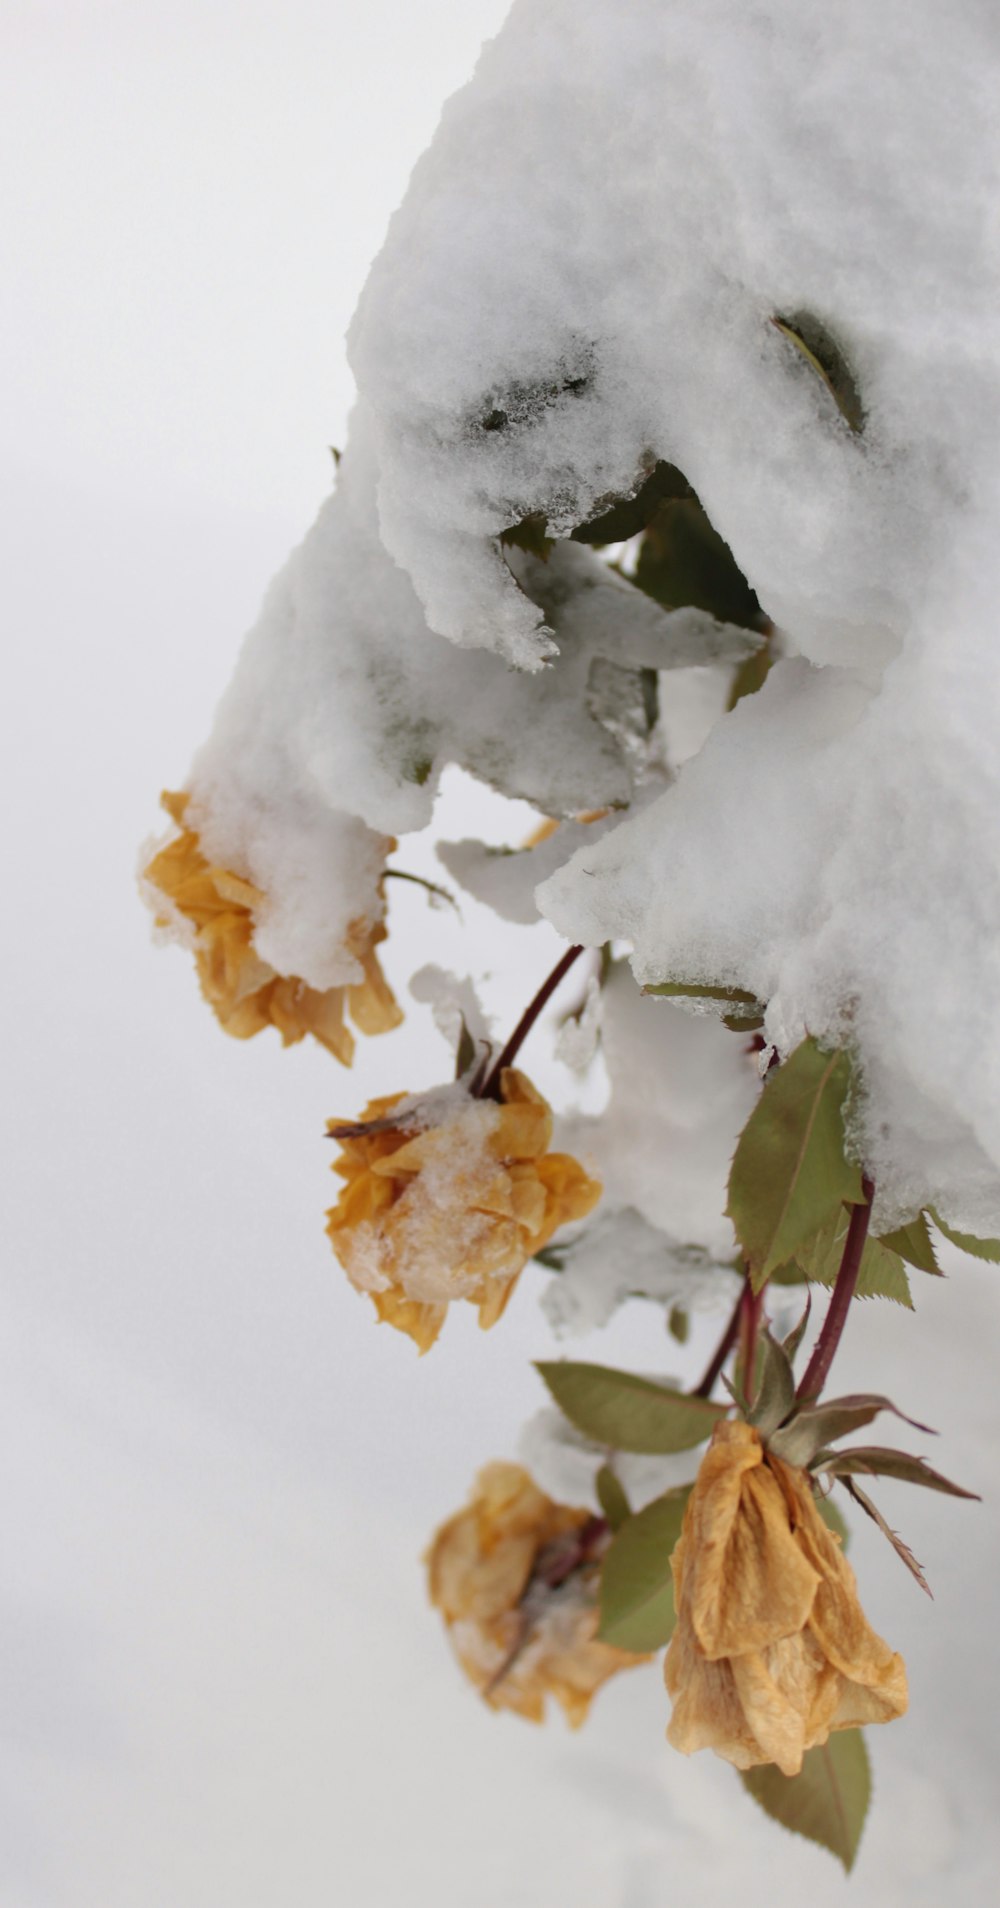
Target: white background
[{"x": 219, "y": 1682}]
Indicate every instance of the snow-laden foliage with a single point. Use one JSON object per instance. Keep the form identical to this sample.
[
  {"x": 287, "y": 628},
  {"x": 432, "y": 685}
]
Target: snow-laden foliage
[
  {"x": 671, "y": 506},
  {"x": 580, "y": 284}
]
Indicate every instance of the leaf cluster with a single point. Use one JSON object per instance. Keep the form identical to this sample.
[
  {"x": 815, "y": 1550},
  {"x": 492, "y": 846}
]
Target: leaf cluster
[
  {"x": 623, "y": 1412},
  {"x": 793, "y": 1183},
  {"x": 792, "y": 1186}
]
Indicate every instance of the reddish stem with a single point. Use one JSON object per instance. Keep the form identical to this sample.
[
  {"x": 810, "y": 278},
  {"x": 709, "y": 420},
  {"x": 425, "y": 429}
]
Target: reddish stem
[
  {"x": 818, "y": 1369},
  {"x": 750, "y": 1308},
  {"x": 490, "y": 1089},
  {"x": 721, "y": 1352}
]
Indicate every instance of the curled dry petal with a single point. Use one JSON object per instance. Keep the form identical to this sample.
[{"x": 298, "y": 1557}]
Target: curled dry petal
[
  {"x": 772, "y": 1650},
  {"x": 453, "y": 1209},
  {"x": 214, "y": 909},
  {"x": 517, "y": 1639}
]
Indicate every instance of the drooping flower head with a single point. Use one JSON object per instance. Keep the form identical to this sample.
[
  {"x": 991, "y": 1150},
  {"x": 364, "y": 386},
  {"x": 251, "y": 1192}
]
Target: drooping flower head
[
  {"x": 515, "y": 1577},
  {"x": 213, "y": 910},
  {"x": 447, "y": 1198},
  {"x": 772, "y": 1650}
]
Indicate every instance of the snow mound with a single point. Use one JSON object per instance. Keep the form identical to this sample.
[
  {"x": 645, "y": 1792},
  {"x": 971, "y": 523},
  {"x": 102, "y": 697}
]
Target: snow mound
[{"x": 757, "y": 243}]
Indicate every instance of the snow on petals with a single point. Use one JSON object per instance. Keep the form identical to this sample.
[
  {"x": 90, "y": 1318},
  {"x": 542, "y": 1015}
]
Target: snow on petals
[
  {"x": 449, "y": 1198},
  {"x": 515, "y": 1578},
  {"x": 772, "y": 1651},
  {"x": 213, "y": 910}
]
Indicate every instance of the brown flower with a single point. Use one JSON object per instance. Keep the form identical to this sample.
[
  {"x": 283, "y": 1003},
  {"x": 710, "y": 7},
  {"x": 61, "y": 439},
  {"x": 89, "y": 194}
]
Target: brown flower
[
  {"x": 450, "y": 1201},
  {"x": 515, "y": 1577},
  {"x": 772, "y": 1651},
  {"x": 215, "y": 910}
]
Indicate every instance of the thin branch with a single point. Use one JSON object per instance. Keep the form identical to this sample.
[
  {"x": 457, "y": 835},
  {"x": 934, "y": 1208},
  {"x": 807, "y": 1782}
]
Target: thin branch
[
  {"x": 420, "y": 881},
  {"x": 490, "y": 1089},
  {"x": 818, "y": 1369},
  {"x": 721, "y": 1352}
]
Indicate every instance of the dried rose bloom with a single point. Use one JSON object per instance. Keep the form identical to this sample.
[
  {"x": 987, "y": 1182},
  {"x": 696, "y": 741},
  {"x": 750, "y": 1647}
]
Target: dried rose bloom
[
  {"x": 515, "y": 1577},
  {"x": 214, "y": 910},
  {"x": 450, "y": 1200},
  {"x": 772, "y": 1651}
]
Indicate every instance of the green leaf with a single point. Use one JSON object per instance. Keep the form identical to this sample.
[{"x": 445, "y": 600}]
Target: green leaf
[
  {"x": 465, "y": 1057},
  {"x": 732, "y": 998},
  {"x": 684, "y": 563},
  {"x": 881, "y": 1274},
  {"x": 637, "y": 1588},
  {"x": 796, "y": 1335},
  {"x": 679, "y": 1324},
  {"x": 823, "y": 355},
  {"x": 873, "y": 1460},
  {"x": 978, "y": 1248},
  {"x": 531, "y": 534},
  {"x": 626, "y": 1413},
  {"x": 790, "y": 1273},
  {"x": 611, "y": 1497},
  {"x": 814, "y": 1426},
  {"x": 751, "y": 675},
  {"x": 914, "y": 1244},
  {"x": 827, "y": 1801},
  {"x": 775, "y": 1390},
  {"x": 619, "y": 518},
  {"x": 789, "y": 1176}
]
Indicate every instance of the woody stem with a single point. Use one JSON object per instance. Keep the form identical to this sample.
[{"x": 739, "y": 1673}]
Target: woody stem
[
  {"x": 490, "y": 1088},
  {"x": 818, "y": 1369}
]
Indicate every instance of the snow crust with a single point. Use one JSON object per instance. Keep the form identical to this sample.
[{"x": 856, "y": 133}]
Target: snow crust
[
  {"x": 581, "y": 281},
  {"x": 344, "y": 708},
  {"x": 621, "y": 1256}
]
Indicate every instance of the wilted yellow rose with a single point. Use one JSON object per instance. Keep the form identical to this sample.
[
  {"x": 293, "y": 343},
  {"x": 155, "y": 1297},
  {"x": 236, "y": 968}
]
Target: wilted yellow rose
[
  {"x": 450, "y": 1200},
  {"x": 772, "y": 1650},
  {"x": 244, "y": 992},
  {"x": 515, "y": 1577}
]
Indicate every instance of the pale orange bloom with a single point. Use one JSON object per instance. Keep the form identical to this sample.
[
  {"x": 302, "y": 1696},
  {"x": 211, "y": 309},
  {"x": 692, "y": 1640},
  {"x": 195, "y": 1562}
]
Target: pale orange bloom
[
  {"x": 772, "y": 1650},
  {"x": 516, "y": 1577},
  {"x": 244, "y": 992},
  {"x": 451, "y": 1202}
]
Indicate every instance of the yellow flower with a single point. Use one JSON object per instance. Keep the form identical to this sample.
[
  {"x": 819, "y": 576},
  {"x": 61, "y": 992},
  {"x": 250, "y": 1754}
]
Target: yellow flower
[
  {"x": 244, "y": 992},
  {"x": 772, "y": 1650},
  {"x": 450, "y": 1200},
  {"x": 515, "y": 1577}
]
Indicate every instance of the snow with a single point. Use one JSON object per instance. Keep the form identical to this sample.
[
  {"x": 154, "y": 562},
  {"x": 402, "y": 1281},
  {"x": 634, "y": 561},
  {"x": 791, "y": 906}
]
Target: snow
[
  {"x": 638, "y": 324},
  {"x": 530, "y": 351},
  {"x": 219, "y": 1476},
  {"x": 344, "y": 709},
  {"x": 621, "y": 1256},
  {"x": 682, "y": 1087}
]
